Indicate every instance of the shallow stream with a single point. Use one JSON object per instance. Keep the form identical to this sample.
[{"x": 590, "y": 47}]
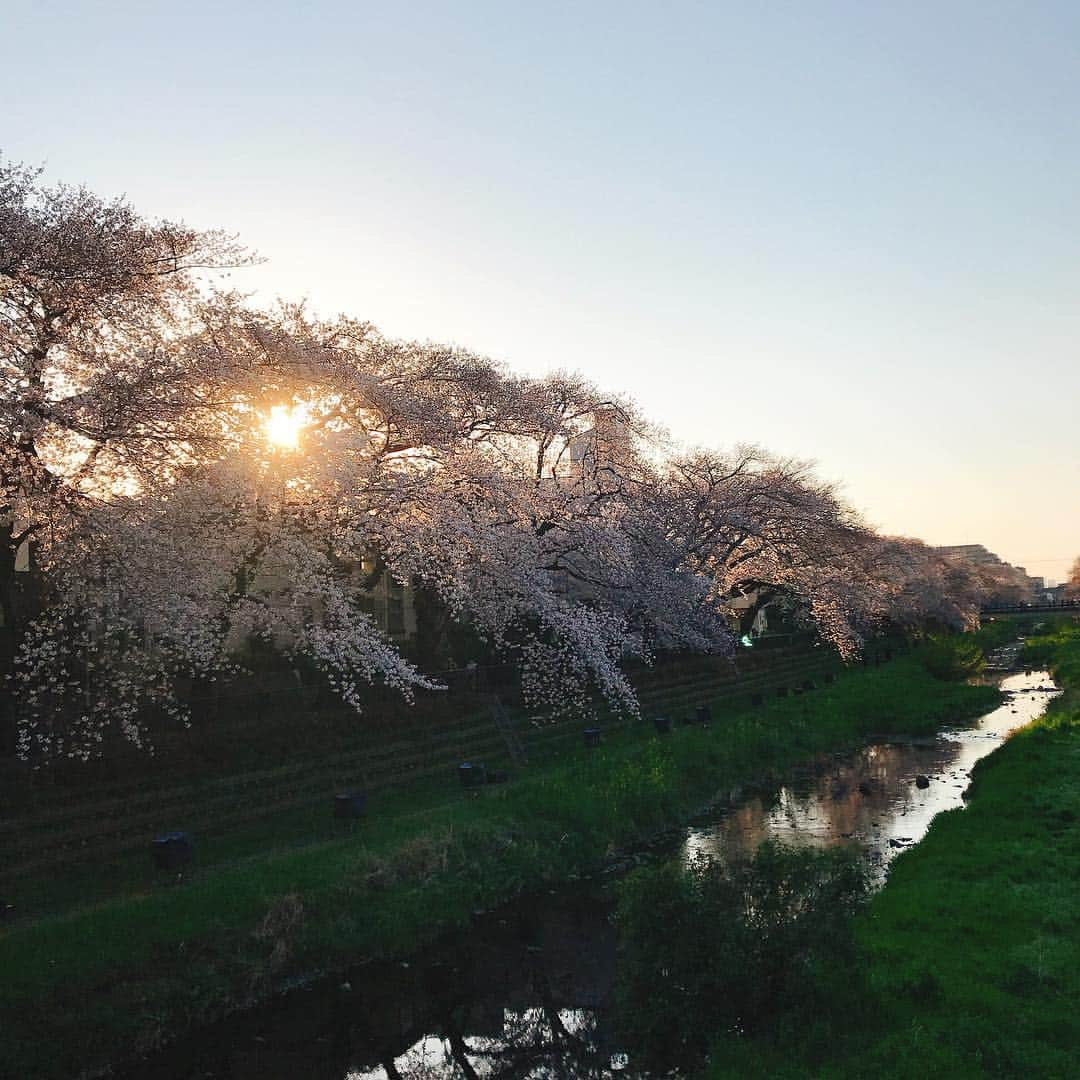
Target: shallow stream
[{"x": 527, "y": 992}]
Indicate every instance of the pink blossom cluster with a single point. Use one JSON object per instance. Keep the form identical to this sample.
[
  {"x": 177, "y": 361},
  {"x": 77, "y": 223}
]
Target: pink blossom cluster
[{"x": 149, "y": 528}]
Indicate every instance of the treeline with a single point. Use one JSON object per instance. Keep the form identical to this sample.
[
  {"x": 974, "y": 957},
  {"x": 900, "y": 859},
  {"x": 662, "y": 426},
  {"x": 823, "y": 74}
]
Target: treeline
[{"x": 183, "y": 474}]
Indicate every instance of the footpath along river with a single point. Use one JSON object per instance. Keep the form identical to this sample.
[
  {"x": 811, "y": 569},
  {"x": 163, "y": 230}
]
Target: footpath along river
[{"x": 527, "y": 991}]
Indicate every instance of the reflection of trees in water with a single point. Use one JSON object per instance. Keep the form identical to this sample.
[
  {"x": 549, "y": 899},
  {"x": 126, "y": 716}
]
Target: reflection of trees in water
[
  {"x": 519, "y": 997},
  {"x": 542, "y": 1040},
  {"x": 823, "y": 805}
]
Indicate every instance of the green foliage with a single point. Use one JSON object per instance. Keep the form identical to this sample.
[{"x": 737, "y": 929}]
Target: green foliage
[
  {"x": 971, "y": 953},
  {"x": 1001, "y": 630},
  {"x": 952, "y": 657},
  {"x": 1057, "y": 648},
  {"x": 753, "y": 944},
  {"x": 985, "y": 913}
]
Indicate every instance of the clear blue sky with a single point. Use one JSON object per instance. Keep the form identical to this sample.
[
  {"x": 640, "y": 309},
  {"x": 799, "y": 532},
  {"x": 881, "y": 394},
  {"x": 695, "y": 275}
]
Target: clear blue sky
[{"x": 846, "y": 231}]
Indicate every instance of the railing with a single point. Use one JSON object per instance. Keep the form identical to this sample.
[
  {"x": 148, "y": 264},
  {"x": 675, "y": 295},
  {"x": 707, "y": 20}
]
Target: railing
[{"x": 1065, "y": 606}]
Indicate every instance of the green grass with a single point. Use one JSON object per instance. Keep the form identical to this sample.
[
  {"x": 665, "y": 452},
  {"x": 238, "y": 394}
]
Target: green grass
[
  {"x": 971, "y": 953},
  {"x": 953, "y": 656},
  {"x": 92, "y": 823},
  {"x": 93, "y": 983},
  {"x": 1004, "y": 629}
]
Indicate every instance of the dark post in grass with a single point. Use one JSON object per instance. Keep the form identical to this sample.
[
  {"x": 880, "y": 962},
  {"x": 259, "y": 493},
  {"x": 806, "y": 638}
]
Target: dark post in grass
[
  {"x": 472, "y": 774},
  {"x": 663, "y": 725},
  {"x": 592, "y": 737},
  {"x": 703, "y": 715},
  {"x": 172, "y": 850},
  {"x": 350, "y": 805}
]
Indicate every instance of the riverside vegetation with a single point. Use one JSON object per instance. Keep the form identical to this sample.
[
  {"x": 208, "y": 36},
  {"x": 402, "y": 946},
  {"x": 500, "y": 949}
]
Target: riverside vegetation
[
  {"x": 756, "y": 944},
  {"x": 967, "y": 963},
  {"x": 91, "y": 985}
]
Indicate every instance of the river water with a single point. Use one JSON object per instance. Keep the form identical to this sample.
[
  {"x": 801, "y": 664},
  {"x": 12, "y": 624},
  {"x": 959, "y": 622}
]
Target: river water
[
  {"x": 872, "y": 798},
  {"x": 528, "y": 991}
]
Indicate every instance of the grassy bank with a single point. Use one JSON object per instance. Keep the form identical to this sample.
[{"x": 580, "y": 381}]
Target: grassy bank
[
  {"x": 971, "y": 954},
  {"x": 91, "y": 984},
  {"x": 84, "y": 827}
]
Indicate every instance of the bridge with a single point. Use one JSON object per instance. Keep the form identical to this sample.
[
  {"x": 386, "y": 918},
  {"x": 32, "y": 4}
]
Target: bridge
[{"x": 1065, "y": 607}]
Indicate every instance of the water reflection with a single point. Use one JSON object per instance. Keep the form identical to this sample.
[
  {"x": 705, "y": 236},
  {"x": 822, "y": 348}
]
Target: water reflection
[
  {"x": 527, "y": 991},
  {"x": 539, "y": 1042},
  {"x": 873, "y": 797}
]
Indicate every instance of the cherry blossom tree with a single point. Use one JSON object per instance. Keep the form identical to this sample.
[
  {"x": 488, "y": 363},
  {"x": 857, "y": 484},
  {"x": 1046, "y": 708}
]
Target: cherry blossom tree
[
  {"x": 1072, "y": 586},
  {"x": 764, "y": 529},
  {"x": 190, "y": 474},
  {"x": 523, "y": 504},
  {"x": 570, "y": 503},
  {"x": 111, "y": 368},
  {"x": 911, "y": 585}
]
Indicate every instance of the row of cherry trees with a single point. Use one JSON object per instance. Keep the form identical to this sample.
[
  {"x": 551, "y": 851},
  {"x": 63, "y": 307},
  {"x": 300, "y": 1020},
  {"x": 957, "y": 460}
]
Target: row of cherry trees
[{"x": 159, "y": 526}]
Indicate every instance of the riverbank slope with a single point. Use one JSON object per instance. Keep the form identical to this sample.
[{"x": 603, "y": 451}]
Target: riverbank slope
[
  {"x": 971, "y": 953},
  {"x": 92, "y": 985}
]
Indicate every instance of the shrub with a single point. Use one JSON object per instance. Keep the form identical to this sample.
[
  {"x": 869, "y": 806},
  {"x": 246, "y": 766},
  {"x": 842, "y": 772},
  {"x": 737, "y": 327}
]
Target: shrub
[
  {"x": 1057, "y": 647},
  {"x": 749, "y": 945},
  {"x": 952, "y": 657}
]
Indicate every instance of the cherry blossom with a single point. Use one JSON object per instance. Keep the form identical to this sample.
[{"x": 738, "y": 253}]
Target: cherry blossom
[{"x": 187, "y": 473}]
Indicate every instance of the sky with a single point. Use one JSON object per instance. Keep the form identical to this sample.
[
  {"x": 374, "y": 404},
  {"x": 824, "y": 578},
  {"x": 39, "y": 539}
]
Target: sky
[{"x": 846, "y": 232}]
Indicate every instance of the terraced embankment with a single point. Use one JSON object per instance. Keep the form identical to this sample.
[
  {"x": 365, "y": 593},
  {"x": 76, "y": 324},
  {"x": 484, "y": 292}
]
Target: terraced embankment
[
  {"x": 88, "y": 983},
  {"x": 86, "y": 836}
]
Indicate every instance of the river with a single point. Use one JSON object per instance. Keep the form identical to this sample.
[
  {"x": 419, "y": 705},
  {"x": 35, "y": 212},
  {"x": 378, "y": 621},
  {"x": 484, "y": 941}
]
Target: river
[{"x": 527, "y": 991}]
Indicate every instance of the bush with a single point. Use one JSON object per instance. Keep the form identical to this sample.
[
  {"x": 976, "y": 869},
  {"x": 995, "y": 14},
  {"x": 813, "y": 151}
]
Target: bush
[
  {"x": 757, "y": 943},
  {"x": 996, "y": 632},
  {"x": 1057, "y": 647},
  {"x": 953, "y": 657}
]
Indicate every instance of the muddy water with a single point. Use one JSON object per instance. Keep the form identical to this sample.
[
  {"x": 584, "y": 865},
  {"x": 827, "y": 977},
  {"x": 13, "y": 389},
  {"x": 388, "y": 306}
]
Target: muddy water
[{"x": 527, "y": 993}]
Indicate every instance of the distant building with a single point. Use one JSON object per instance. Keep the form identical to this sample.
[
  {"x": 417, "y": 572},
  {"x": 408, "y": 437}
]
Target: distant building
[
  {"x": 975, "y": 554},
  {"x": 601, "y": 451},
  {"x": 391, "y": 604},
  {"x": 1053, "y": 595}
]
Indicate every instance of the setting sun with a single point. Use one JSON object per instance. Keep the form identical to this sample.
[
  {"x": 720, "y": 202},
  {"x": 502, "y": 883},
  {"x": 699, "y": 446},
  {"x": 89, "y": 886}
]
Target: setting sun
[{"x": 284, "y": 424}]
